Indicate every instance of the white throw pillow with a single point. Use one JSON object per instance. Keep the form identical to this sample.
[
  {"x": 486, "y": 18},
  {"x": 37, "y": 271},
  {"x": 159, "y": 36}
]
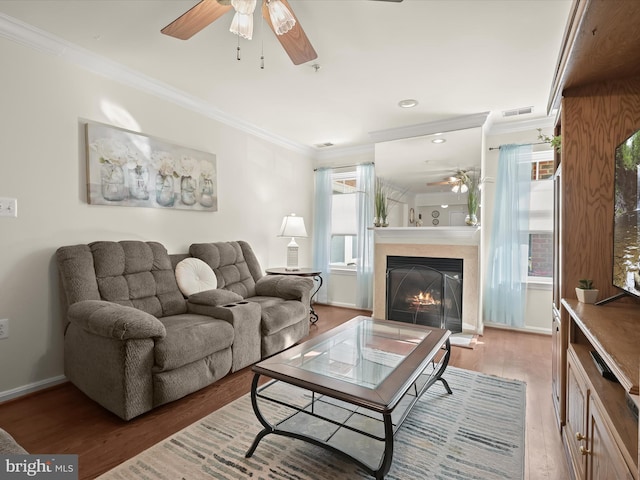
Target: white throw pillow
[{"x": 194, "y": 276}]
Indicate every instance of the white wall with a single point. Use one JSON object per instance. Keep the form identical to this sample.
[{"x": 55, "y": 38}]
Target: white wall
[
  {"x": 539, "y": 297},
  {"x": 44, "y": 101}
]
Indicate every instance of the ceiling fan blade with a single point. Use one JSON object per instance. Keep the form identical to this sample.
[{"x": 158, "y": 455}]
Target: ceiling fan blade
[
  {"x": 295, "y": 42},
  {"x": 438, "y": 183},
  {"x": 195, "y": 19}
]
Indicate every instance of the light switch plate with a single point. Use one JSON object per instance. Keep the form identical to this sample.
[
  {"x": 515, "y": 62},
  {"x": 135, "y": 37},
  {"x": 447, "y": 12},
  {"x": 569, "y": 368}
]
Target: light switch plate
[{"x": 8, "y": 207}]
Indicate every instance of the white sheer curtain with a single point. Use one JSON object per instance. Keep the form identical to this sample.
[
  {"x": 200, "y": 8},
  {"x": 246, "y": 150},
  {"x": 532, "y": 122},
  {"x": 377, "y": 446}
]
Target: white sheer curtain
[
  {"x": 365, "y": 181},
  {"x": 505, "y": 283},
  {"x": 322, "y": 228}
]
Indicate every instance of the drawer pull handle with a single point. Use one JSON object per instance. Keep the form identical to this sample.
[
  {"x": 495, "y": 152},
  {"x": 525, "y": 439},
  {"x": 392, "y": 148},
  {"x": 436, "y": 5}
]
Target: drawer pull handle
[
  {"x": 580, "y": 436},
  {"x": 584, "y": 451}
]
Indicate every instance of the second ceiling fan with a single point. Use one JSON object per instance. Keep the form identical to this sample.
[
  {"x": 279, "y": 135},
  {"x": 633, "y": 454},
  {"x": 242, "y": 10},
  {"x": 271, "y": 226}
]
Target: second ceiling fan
[{"x": 278, "y": 14}]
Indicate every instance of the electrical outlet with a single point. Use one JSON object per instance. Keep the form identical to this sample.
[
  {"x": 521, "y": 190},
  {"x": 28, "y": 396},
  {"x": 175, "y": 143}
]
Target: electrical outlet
[
  {"x": 4, "y": 328},
  {"x": 8, "y": 207}
]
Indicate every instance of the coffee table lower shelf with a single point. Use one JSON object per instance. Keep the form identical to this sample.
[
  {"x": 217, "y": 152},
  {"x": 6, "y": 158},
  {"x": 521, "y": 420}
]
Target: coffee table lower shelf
[{"x": 363, "y": 435}]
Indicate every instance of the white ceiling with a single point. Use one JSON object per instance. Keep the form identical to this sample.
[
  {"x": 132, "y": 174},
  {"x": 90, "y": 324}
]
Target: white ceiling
[{"x": 456, "y": 57}]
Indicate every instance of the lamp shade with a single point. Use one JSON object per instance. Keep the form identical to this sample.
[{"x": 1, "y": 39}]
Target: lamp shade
[
  {"x": 292, "y": 226},
  {"x": 242, "y": 23},
  {"x": 281, "y": 17}
]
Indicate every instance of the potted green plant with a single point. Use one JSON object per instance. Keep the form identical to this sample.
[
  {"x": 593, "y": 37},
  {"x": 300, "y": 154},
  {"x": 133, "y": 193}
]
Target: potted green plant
[
  {"x": 381, "y": 204},
  {"x": 473, "y": 198},
  {"x": 554, "y": 140},
  {"x": 585, "y": 291}
]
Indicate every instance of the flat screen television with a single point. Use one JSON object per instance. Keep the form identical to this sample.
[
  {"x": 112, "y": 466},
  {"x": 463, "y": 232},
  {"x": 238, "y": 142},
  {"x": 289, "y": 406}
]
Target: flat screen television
[{"x": 626, "y": 218}]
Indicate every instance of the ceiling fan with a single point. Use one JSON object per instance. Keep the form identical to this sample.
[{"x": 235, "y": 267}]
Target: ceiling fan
[
  {"x": 278, "y": 14},
  {"x": 458, "y": 181}
]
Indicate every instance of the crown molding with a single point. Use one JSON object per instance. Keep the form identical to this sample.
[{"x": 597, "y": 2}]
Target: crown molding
[
  {"x": 329, "y": 154},
  {"x": 521, "y": 125},
  {"x": 429, "y": 128},
  {"x": 46, "y": 43}
]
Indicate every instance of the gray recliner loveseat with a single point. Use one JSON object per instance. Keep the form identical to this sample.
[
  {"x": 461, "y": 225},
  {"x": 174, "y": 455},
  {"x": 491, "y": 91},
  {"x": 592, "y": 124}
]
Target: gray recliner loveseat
[{"x": 133, "y": 341}]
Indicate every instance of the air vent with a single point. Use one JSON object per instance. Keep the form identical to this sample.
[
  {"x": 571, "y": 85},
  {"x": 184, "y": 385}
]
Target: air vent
[
  {"x": 324, "y": 145},
  {"x": 517, "y": 111}
]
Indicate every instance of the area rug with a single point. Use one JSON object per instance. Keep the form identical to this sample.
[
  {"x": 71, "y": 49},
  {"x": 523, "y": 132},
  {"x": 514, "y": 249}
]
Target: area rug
[{"x": 477, "y": 433}]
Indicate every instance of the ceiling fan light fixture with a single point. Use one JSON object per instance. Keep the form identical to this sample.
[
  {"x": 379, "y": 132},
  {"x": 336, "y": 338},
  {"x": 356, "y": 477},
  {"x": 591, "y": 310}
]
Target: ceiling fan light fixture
[
  {"x": 281, "y": 18},
  {"x": 459, "y": 187},
  {"x": 242, "y": 23}
]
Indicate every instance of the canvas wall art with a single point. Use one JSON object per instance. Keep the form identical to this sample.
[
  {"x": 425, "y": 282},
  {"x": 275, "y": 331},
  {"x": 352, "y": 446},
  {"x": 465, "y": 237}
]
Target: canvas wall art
[{"x": 129, "y": 169}]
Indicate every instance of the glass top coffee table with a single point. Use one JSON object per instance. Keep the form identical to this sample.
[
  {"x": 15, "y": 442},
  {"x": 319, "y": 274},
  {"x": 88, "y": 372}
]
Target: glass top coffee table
[{"x": 350, "y": 389}]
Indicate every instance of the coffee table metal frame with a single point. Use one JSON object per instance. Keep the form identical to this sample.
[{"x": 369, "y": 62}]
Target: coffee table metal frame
[{"x": 402, "y": 388}]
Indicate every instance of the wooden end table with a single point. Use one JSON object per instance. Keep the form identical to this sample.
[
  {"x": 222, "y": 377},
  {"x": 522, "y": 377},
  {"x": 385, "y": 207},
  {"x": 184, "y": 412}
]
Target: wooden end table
[{"x": 302, "y": 272}]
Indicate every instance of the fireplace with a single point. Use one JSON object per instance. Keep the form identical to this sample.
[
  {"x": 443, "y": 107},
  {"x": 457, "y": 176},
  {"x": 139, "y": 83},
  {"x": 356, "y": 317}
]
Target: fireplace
[
  {"x": 411, "y": 242},
  {"x": 425, "y": 291}
]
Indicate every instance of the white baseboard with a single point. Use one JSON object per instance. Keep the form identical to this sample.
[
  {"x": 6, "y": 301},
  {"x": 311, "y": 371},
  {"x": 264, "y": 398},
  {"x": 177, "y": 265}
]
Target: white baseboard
[
  {"x": 342, "y": 305},
  {"x": 538, "y": 330},
  {"x": 31, "y": 387}
]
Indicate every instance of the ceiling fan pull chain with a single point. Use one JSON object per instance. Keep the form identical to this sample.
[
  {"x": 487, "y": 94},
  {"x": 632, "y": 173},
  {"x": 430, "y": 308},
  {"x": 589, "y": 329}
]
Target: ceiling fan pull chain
[{"x": 238, "y": 49}]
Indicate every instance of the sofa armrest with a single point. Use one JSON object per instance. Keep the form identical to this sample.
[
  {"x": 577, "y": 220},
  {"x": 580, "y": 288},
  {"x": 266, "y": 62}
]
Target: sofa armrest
[
  {"x": 108, "y": 319},
  {"x": 9, "y": 446},
  {"x": 288, "y": 287},
  {"x": 214, "y": 298}
]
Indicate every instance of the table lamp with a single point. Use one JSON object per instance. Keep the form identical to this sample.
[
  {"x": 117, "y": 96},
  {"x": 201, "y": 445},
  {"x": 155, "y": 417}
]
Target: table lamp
[{"x": 293, "y": 227}]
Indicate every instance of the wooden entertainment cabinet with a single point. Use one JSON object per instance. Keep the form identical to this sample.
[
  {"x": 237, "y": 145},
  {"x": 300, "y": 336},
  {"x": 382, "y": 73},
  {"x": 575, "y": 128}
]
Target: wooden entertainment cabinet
[
  {"x": 601, "y": 431},
  {"x": 596, "y": 90}
]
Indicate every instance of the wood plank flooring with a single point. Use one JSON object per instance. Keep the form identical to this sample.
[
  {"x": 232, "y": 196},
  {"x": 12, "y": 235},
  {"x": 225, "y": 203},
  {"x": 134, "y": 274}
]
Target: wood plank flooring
[{"x": 63, "y": 420}]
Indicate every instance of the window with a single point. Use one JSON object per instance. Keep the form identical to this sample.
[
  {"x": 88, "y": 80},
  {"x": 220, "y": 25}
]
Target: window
[
  {"x": 344, "y": 239},
  {"x": 540, "y": 251},
  {"x": 540, "y": 254}
]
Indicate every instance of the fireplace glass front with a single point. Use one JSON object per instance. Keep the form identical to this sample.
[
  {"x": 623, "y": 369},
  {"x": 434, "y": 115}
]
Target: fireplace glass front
[{"x": 425, "y": 291}]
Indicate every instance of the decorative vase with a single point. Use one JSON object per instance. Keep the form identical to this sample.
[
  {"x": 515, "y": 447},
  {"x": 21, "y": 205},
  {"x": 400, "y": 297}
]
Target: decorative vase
[
  {"x": 164, "y": 190},
  {"x": 188, "y": 186},
  {"x": 112, "y": 179},
  {"x": 206, "y": 192},
  {"x": 587, "y": 295},
  {"x": 471, "y": 219},
  {"x": 138, "y": 180}
]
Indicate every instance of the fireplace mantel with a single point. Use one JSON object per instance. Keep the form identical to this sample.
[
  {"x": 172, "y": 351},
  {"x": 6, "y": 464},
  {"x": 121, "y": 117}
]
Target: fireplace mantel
[{"x": 428, "y": 235}]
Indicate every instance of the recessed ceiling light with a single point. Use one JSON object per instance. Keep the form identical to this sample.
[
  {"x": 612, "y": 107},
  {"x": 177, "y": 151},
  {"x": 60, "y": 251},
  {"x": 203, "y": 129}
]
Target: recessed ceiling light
[
  {"x": 438, "y": 140},
  {"x": 408, "y": 103}
]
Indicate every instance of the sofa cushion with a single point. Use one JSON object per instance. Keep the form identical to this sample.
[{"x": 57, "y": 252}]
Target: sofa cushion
[
  {"x": 195, "y": 276},
  {"x": 278, "y": 313},
  {"x": 190, "y": 337},
  {"x": 227, "y": 259},
  {"x": 137, "y": 274}
]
